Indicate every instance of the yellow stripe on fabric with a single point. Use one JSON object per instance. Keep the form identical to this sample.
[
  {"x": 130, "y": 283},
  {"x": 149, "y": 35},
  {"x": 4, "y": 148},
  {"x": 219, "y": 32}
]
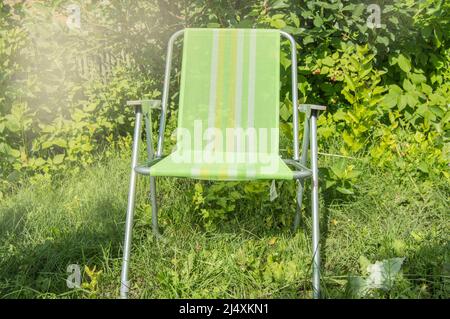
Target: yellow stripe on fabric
[
  {"x": 220, "y": 172},
  {"x": 239, "y": 78},
  {"x": 251, "y": 80},
  {"x": 223, "y": 173},
  {"x": 204, "y": 172}
]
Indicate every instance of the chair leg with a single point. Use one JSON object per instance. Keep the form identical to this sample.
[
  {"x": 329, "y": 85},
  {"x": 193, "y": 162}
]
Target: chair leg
[
  {"x": 154, "y": 206},
  {"x": 301, "y": 183},
  {"x": 124, "y": 282},
  {"x": 150, "y": 156},
  {"x": 298, "y": 210},
  {"x": 315, "y": 207}
]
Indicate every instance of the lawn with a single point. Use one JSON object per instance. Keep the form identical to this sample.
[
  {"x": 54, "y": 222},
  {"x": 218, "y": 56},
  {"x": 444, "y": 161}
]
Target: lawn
[{"x": 79, "y": 218}]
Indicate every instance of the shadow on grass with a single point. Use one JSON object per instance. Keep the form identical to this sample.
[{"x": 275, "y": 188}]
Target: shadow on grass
[
  {"x": 427, "y": 272},
  {"x": 249, "y": 221},
  {"x": 31, "y": 268}
]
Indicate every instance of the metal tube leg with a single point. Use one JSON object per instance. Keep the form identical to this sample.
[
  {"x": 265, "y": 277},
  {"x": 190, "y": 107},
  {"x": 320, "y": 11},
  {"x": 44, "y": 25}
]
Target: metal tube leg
[
  {"x": 315, "y": 207},
  {"x": 150, "y": 155},
  {"x": 154, "y": 206},
  {"x": 298, "y": 209},
  {"x": 124, "y": 283},
  {"x": 301, "y": 183}
]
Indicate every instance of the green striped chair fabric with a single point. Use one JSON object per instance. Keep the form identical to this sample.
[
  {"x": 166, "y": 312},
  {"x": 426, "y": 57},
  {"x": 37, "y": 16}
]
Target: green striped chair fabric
[{"x": 228, "y": 120}]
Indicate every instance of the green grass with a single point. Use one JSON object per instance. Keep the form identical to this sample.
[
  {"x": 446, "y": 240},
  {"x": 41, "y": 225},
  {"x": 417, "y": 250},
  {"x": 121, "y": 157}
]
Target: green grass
[{"x": 79, "y": 219}]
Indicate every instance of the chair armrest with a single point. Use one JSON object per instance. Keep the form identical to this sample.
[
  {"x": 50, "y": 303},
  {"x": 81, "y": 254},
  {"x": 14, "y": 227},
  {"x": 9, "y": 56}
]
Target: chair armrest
[
  {"x": 297, "y": 164},
  {"x": 309, "y": 107},
  {"x": 144, "y": 169},
  {"x": 152, "y": 104},
  {"x": 300, "y": 171}
]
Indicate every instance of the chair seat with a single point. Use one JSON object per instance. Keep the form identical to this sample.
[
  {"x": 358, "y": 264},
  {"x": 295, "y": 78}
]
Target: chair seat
[{"x": 271, "y": 167}]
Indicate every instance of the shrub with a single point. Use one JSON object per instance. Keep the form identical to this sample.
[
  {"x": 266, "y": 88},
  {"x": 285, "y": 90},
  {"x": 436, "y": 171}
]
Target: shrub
[{"x": 387, "y": 89}]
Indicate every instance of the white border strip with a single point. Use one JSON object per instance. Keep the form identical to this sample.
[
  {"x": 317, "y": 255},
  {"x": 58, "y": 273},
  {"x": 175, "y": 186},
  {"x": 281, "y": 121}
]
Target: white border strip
[
  {"x": 251, "y": 79},
  {"x": 213, "y": 79}
]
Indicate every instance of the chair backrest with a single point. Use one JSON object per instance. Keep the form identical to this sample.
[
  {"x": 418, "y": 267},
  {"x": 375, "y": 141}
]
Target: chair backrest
[{"x": 229, "y": 90}]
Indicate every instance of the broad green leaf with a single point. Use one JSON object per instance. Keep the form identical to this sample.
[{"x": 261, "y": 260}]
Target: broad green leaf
[
  {"x": 411, "y": 99},
  {"x": 58, "y": 159},
  {"x": 383, "y": 40},
  {"x": 348, "y": 96},
  {"x": 14, "y": 153},
  {"x": 404, "y": 63},
  {"x": 278, "y": 24},
  {"x": 381, "y": 275},
  {"x": 329, "y": 183},
  {"x": 426, "y": 88},
  {"x": 284, "y": 60},
  {"x": 408, "y": 86},
  {"x": 12, "y": 123},
  {"x": 417, "y": 78},
  {"x": 308, "y": 39},
  {"x": 349, "y": 82},
  {"x": 340, "y": 115},
  {"x": 318, "y": 22},
  {"x": 39, "y": 162},
  {"x": 279, "y": 4},
  {"x": 437, "y": 37},
  {"x": 358, "y": 10},
  {"x": 295, "y": 19},
  {"x": 213, "y": 25},
  {"x": 328, "y": 61},
  {"x": 390, "y": 100},
  {"x": 344, "y": 191},
  {"x": 284, "y": 112},
  {"x": 338, "y": 169},
  {"x": 423, "y": 166},
  {"x": 403, "y": 101}
]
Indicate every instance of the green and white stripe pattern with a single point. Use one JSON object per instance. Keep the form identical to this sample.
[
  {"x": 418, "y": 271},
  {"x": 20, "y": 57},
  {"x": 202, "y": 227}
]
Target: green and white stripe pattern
[{"x": 229, "y": 80}]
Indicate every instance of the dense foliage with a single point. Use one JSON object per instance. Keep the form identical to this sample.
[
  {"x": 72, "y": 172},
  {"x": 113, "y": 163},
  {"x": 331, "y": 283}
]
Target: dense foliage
[
  {"x": 384, "y": 143},
  {"x": 387, "y": 88}
]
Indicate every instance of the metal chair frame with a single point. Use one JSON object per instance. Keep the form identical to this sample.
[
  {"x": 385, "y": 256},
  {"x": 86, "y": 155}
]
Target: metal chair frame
[{"x": 298, "y": 162}]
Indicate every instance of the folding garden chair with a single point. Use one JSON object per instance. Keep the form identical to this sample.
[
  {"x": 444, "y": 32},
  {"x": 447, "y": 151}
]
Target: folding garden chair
[{"x": 228, "y": 123}]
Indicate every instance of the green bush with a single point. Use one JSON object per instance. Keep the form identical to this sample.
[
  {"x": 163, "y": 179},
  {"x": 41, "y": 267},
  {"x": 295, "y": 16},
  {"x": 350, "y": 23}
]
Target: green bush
[
  {"x": 51, "y": 118},
  {"x": 387, "y": 89}
]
